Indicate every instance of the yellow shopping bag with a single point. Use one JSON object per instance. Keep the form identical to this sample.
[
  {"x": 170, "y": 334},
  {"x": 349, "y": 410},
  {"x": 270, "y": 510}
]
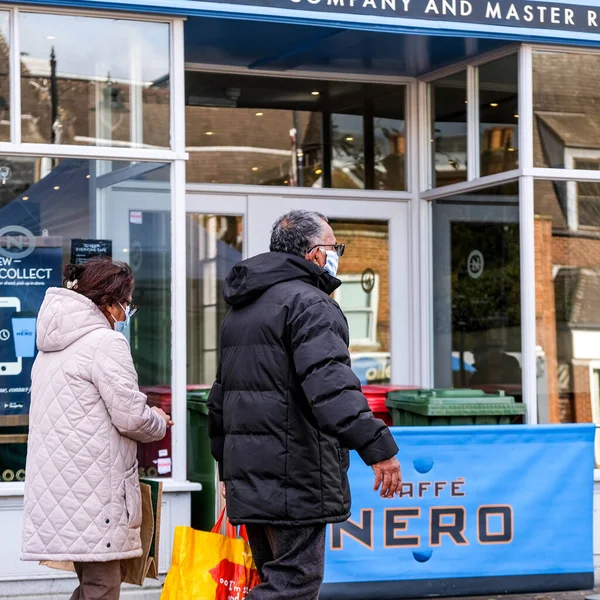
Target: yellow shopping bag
[{"x": 210, "y": 566}]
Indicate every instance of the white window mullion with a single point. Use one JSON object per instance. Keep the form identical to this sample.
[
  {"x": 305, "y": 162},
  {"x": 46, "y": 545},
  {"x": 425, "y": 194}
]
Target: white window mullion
[
  {"x": 527, "y": 235},
  {"x": 472, "y": 123},
  {"x": 15, "y": 78},
  {"x": 178, "y": 254},
  {"x": 525, "y": 108}
]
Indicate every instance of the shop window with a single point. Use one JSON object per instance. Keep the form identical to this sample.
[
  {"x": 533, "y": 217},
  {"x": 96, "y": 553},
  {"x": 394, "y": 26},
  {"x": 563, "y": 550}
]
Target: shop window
[
  {"x": 360, "y": 305},
  {"x": 566, "y": 109},
  {"x": 365, "y": 296},
  {"x": 55, "y": 211},
  {"x": 94, "y": 81},
  {"x": 476, "y": 285},
  {"x": 294, "y": 133},
  {"x": 214, "y": 247},
  {"x": 567, "y": 300},
  {"x": 449, "y": 129},
  {"x": 499, "y": 115}
]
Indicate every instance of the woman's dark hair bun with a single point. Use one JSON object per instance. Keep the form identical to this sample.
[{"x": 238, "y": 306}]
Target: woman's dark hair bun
[
  {"x": 102, "y": 280},
  {"x": 73, "y": 272}
]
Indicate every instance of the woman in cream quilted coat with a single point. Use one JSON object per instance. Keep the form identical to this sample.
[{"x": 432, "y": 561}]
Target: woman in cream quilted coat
[{"x": 82, "y": 494}]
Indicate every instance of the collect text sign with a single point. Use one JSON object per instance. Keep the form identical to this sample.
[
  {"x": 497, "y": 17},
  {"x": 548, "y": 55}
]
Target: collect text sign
[{"x": 483, "y": 510}]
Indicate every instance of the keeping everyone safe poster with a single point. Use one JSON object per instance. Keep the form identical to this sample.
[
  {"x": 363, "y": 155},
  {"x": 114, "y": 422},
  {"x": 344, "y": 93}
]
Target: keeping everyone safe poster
[
  {"x": 29, "y": 265},
  {"x": 483, "y": 510}
]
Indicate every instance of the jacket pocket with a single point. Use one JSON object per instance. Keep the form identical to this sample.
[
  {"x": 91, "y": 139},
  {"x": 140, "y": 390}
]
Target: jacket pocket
[
  {"x": 344, "y": 461},
  {"x": 133, "y": 498}
]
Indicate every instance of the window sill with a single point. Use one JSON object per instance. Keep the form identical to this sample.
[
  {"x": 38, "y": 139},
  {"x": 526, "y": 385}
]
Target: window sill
[
  {"x": 365, "y": 345},
  {"x": 170, "y": 486}
]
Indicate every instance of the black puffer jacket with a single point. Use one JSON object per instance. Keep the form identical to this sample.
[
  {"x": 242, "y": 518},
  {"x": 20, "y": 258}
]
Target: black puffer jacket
[{"x": 286, "y": 406}]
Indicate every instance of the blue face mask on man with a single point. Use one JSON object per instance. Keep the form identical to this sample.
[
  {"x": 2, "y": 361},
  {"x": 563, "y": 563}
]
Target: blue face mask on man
[{"x": 333, "y": 262}]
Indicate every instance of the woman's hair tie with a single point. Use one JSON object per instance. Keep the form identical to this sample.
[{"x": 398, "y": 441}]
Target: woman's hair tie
[{"x": 72, "y": 285}]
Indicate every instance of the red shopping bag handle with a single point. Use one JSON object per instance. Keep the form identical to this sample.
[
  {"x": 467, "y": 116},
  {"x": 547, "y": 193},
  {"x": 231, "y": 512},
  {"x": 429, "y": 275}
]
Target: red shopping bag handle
[{"x": 231, "y": 530}]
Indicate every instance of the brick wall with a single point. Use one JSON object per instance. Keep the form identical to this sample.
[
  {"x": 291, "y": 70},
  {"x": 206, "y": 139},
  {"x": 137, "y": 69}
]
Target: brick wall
[
  {"x": 573, "y": 401},
  {"x": 546, "y": 310},
  {"x": 576, "y": 252},
  {"x": 582, "y": 393}
]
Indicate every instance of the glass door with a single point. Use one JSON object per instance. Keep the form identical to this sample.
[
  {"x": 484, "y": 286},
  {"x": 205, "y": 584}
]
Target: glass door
[
  {"x": 374, "y": 272},
  {"x": 214, "y": 244}
]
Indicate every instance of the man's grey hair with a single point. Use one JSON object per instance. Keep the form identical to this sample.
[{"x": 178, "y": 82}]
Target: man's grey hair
[{"x": 297, "y": 232}]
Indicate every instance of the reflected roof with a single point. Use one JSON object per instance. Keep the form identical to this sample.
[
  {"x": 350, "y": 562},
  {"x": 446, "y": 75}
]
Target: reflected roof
[
  {"x": 574, "y": 130},
  {"x": 577, "y": 293}
]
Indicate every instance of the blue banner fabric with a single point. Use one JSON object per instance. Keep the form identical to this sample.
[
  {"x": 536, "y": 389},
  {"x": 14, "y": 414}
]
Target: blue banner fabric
[{"x": 483, "y": 510}]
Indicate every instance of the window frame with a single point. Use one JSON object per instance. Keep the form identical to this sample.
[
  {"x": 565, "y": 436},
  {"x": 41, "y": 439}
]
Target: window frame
[
  {"x": 15, "y": 147},
  {"x": 370, "y": 342},
  {"x": 175, "y": 156}
]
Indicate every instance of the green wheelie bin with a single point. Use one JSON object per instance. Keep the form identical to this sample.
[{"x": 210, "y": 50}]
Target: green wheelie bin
[
  {"x": 201, "y": 465},
  {"x": 413, "y": 408}
]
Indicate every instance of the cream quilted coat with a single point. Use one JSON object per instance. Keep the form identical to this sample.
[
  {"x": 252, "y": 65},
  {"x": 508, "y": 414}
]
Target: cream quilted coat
[{"x": 82, "y": 494}]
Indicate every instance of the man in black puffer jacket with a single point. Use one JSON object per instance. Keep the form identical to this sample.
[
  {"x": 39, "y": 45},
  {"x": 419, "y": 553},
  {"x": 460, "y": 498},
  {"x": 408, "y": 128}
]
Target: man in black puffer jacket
[{"x": 286, "y": 407}]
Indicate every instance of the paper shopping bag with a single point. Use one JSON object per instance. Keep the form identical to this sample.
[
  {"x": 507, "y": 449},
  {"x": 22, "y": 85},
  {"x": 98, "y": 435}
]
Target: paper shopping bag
[
  {"x": 145, "y": 566},
  {"x": 210, "y": 566}
]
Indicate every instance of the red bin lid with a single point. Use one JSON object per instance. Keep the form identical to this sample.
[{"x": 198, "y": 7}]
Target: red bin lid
[{"x": 376, "y": 395}]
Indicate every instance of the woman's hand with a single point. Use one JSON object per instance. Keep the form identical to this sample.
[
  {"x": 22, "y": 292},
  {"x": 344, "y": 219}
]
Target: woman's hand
[
  {"x": 223, "y": 492},
  {"x": 161, "y": 413}
]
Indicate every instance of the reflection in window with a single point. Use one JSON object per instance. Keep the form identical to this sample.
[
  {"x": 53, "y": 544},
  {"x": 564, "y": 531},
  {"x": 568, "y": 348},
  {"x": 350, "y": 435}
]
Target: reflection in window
[
  {"x": 588, "y": 204},
  {"x": 214, "y": 247},
  {"x": 60, "y": 211},
  {"x": 477, "y": 306},
  {"x": 567, "y": 299},
  {"x": 365, "y": 296},
  {"x": 566, "y": 109},
  {"x": 390, "y": 152},
  {"x": 4, "y": 82},
  {"x": 348, "y": 152},
  {"x": 499, "y": 114},
  {"x": 94, "y": 81},
  {"x": 360, "y": 307},
  {"x": 449, "y": 129},
  {"x": 289, "y": 132}
]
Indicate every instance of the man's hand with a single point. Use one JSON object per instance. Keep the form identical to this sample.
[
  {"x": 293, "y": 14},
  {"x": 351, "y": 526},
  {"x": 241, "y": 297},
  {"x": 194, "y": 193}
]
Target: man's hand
[{"x": 388, "y": 476}]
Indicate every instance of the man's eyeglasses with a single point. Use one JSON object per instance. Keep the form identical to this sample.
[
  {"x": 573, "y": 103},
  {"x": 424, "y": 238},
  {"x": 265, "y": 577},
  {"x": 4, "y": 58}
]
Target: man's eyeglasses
[{"x": 339, "y": 248}]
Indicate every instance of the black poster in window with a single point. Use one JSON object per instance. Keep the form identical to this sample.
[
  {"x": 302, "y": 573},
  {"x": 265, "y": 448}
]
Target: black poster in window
[{"x": 83, "y": 250}]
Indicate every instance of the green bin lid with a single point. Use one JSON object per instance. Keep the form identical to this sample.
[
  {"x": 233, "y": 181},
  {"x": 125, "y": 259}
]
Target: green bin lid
[
  {"x": 198, "y": 395},
  {"x": 447, "y": 397}
]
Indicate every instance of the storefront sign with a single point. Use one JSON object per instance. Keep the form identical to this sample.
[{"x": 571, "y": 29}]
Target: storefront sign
[
  {"x": 25, "y": 275},
  {"x": 522, "y": 14},
  {"x": 483, "y": 510}
]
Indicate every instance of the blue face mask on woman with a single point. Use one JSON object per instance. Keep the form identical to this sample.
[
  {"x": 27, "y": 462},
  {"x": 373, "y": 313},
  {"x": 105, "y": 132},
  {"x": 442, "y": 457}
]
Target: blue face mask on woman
[{"x": 120, "y": 326}]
